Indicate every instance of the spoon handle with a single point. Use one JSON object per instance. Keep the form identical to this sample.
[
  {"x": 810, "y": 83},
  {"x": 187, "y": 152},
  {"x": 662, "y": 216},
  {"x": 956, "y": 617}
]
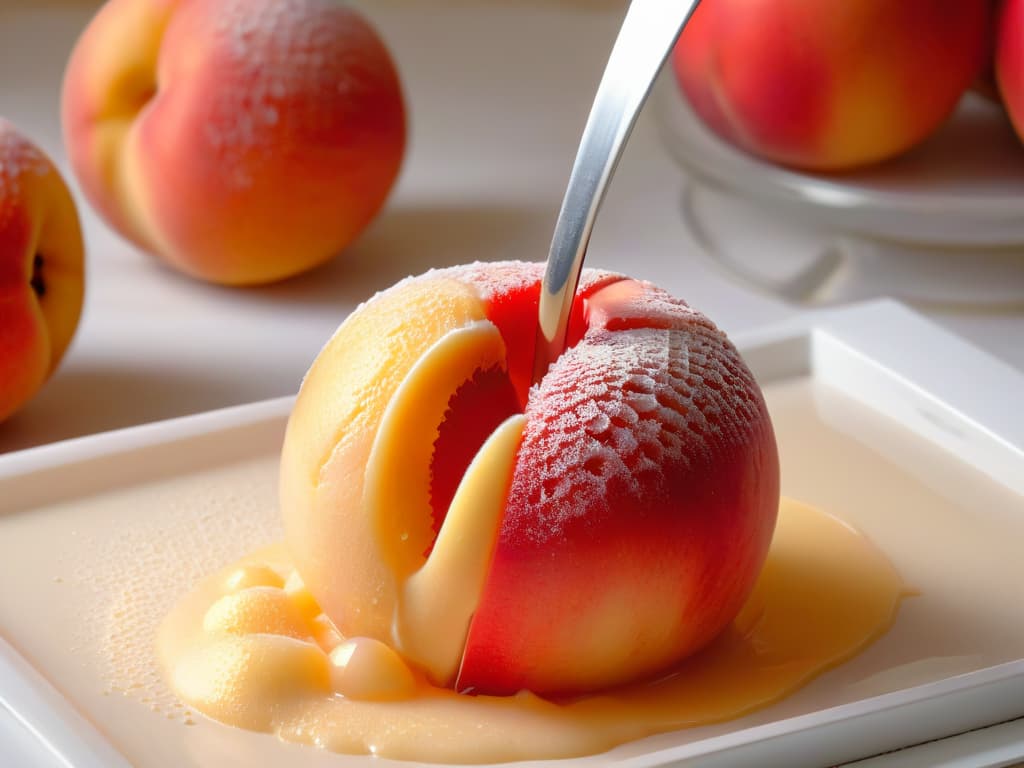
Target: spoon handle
[{"x": 648, "y": 33}]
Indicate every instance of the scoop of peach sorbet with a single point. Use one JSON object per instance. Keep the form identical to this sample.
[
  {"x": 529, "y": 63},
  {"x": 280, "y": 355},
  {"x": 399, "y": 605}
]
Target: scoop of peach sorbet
[{"x": 589, "y": 530}]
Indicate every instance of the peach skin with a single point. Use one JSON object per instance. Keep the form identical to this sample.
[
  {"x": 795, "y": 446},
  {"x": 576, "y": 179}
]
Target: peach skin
[
  {"x": 587, "y": 531},
  {"x": 830, "y": 84},
  {"x": 41, "y": 269},
  {"x": 986, "y": 83},
  {"x": 1009, "y": 61},
  {"x": 241, "y": 141}
]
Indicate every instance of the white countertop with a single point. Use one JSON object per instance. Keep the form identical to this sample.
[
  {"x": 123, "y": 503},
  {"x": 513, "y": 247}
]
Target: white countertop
[{"x": 497, "y": 92}]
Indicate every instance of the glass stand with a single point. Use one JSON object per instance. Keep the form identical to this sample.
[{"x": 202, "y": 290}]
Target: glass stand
[{"x": 804, "y": 262}]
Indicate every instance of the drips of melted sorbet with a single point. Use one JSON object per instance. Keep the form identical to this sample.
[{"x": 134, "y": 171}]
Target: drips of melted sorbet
[{"x": 251, "y": 648}]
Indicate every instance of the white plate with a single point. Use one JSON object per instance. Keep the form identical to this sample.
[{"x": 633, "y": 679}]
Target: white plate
[{"x": 940, "y": 390}]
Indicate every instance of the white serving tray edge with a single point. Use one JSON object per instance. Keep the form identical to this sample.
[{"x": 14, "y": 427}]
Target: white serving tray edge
[{"x": 879, "y": 353}]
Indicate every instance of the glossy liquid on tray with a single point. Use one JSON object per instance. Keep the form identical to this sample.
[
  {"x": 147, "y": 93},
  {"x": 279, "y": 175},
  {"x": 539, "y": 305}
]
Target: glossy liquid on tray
[
  {"x": 91, "y": 580},
  {"x": 246, "y": 652}
]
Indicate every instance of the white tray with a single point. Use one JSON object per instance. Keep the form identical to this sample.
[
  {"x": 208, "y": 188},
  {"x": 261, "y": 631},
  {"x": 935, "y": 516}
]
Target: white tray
[{"x": 879, "y": 354}]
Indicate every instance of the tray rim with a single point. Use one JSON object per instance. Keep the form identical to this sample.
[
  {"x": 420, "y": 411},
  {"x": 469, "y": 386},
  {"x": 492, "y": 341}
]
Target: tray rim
[{"x": 832, "y": 344}]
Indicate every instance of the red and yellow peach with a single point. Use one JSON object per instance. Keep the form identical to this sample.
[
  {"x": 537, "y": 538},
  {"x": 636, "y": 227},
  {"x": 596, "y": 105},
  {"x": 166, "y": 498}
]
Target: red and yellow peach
[
  {"x": 41, "y": 269},
  {"x": 591, "y": 529},
  {"x": 242, "y": 141},
  {"x": 830, "y": 84}
]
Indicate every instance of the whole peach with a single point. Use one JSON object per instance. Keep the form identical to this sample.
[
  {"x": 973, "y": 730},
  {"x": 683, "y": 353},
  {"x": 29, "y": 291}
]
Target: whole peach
[
  {"x": 830, "y": 84},
  {"x": 242, "y": 141},
  {"x": 41, "y": 269},
  {"x": 589, "y": 530}
]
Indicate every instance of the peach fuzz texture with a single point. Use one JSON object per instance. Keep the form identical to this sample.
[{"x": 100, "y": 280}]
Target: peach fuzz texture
[
  {"x": 830, "y": 84},
  {"x": 242, "y": 141},
  {"x": 642, "y": 498},
  {"x": 41, "y": 269}
]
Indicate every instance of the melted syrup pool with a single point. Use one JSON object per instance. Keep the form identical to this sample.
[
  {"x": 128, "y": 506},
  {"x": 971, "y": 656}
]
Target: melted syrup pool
[{"x": 257, "y": 657}]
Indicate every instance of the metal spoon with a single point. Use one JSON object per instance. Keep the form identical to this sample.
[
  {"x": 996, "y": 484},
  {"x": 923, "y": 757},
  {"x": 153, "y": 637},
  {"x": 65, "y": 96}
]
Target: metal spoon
[{"x": 648, "y": 33}]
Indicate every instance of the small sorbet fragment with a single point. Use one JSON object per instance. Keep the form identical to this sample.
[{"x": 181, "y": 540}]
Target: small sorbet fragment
[
  {"x": 325, "y": 633},
  {"x": 300, "y": 595},
  {"x": 254, "y": 575},
  {"x": 368, "y": 670},
  {"x": 256, "y": 610}
]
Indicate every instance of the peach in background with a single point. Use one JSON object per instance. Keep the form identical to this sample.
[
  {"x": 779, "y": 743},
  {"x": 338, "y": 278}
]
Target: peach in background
[
  {"x": 41, "y": 269},
  {"x": 242, "y": 141},
  {"x": 830, "y": 84}
]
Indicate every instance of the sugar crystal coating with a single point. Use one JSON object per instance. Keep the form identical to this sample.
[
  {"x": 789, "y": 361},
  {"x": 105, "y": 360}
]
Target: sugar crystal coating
[
  {"x": 623, "y": 405},
  {"x": 647, "y": 467},
  {"x": 294, "y": 57}
]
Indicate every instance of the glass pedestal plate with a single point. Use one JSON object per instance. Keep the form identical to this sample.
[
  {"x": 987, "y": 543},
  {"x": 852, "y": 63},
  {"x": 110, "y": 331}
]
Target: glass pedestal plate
[{"x": 940, "y": 226}]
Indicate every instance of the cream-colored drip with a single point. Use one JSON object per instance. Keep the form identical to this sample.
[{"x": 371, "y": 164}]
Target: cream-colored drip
[
  {"x": 437, "y": 602},
  {"x": 398, "y": 471},
  {"x": 437, "y": 598},
  {"x": 825, "y": 593}
]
